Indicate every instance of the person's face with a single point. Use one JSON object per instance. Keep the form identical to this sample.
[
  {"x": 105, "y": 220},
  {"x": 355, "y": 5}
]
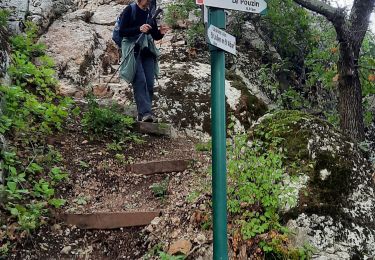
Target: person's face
[{"x": 144, "y": 3}]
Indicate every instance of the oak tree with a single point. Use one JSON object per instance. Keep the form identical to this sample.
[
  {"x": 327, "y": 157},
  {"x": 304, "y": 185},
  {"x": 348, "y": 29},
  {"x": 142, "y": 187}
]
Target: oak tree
[{"x": 351, "y": 30}]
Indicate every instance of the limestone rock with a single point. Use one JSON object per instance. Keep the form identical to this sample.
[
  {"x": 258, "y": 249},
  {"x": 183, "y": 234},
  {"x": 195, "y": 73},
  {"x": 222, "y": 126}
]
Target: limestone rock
[
  {"x": 73, "y": 47},
  {"x": 80, "y": 43},
  {"x": 4, "y": 56},
  {"x": 106, "y": 14},
  {"x": 324, "y": 205},
  {"x": 66, "y": 250},
  {"x": 18, "y": 10},
  {"x": 180, "y": 246}
]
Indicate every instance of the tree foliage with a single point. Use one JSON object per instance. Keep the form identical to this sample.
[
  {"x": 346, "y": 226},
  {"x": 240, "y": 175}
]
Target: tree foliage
[{"x": 314, "y": 62}]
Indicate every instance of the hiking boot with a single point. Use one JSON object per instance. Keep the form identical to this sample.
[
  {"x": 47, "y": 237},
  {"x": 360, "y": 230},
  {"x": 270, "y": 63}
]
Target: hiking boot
[
  {"x": 155, "y": 119},
  {"x": 147, "y": 118}
]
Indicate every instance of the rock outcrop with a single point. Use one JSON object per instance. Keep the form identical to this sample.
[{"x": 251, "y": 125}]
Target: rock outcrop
[
  {"x": 4, "y": 55},
  {"x": 335, "y": 206},
  {"x": 86, "y": 58},
  {"x": 41, "y": 12},
  {"x": 4, "y": 62}
]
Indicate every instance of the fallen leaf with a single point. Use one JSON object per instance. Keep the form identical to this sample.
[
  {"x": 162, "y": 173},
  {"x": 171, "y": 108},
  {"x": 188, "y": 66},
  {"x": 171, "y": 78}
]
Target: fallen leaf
[
  {"x": 335, "y": 78},
  {"x": 334, "y": 49},
  {"x": 11, "y": 231}
]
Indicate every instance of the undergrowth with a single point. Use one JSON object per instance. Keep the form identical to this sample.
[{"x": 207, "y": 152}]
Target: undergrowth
[
  {"x": 107, "y": 122},
  {"x": 178, "y": 13},
  {"x": 31, "y": 111},
  {"x": 255, "y": 198}
]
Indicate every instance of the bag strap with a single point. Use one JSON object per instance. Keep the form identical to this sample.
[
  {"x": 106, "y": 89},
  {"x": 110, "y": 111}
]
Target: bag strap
[{"x": 134, "y": 10}]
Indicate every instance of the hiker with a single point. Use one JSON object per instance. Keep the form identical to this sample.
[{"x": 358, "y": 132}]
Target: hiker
[{"x": 140, "y": 65}]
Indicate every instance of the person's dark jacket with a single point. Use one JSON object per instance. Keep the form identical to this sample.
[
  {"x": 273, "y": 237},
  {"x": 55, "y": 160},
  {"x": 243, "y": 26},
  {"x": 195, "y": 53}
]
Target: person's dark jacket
[{"x": 129, "y": 28}]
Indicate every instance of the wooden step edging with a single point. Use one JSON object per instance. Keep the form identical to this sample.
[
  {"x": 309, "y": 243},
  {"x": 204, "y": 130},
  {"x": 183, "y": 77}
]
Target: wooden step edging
[
  {"x": 155, "y": 167},
  {"x": 154, "y": 128},
  {"x": 111, "y": 220}
]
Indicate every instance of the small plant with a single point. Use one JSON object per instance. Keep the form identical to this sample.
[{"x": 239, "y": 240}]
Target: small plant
[
  {"x": 57, "y": 174},
  {"x": 207, "y": 222},
  {"x": 57, "y": 203},
  {"x": 165, "y": 256},
  {"x": 4, "y": 14},
  {"x": 157, "y": 251},
  {"x": 203, "y": 147},
  {"x": 256, "y": 193},
  {"x": 106, "y": 122},
  {"x": 50, "y": 157},
  {"x": 115, "y": 146},
  {"x": 160, "y": 189},
  {"x": 120, "y": 157},
  {"x": 4, "y": 249},
  {"x": 195, "y": 35},
  {"x": 81, "y": 200},
  {"x": 178, "y": 10},
  {"x": 83, "y": 164},
  {"x": 192, "y": 196}
]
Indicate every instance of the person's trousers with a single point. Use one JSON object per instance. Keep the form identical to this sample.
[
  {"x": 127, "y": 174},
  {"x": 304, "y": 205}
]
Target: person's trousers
[{"x": 143, "y": 84}]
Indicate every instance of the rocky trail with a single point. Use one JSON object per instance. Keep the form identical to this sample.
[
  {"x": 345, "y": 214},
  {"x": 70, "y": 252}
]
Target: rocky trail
[{"x": 103, "y": 188}]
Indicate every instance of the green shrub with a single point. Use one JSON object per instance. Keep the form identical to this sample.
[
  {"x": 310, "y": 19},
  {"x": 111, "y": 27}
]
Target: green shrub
[
  {"x": 30, "y": 112},
  {"x": 256, "y": 180},
  {"x": 160, "y": 189},
  {"x": 106, "y": 122},
  {"x": 178, "y": 10},
  {"x": 195, "y": 35},
  {"x": 256, "y": 195},
  {"x": 203, "y": 147},
  {"x": 4, "y": 14}
]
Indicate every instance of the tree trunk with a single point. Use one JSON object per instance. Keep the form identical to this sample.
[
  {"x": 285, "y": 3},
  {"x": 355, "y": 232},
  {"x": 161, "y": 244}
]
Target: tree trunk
[
  {"x": 349, "y": 88},
  {"x": 350, "y": 100},
  {"x": 350, "y": 35}
]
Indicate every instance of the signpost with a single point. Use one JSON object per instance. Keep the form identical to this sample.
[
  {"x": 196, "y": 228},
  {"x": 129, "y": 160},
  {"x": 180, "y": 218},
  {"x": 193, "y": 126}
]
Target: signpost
[
  {"x": 252, "y": 6},
  {"x": 221, "y": 41},
  {"x": 216, "y": 17}
]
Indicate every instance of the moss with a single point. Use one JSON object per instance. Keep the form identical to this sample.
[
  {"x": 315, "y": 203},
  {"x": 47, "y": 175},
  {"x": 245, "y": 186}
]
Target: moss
[
  {"x": 285, "y": 128},
  {"x": 292, "y": 131}
]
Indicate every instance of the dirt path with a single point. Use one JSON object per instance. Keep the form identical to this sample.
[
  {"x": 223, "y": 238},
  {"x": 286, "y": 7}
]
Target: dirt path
[{"x": 100, "y": 182}]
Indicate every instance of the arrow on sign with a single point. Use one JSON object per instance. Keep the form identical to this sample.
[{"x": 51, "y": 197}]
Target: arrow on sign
[
  {"x": 221, "y": 39},
  {"x": 251, "y": 6}
]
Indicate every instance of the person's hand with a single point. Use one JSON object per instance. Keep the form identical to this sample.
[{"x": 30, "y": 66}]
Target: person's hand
[
  {"x": 145, "y": 28},
  {"x": 164, "y": 29}
]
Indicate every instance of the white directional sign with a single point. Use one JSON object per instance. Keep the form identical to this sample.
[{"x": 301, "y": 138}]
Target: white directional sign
[
  {"x": 252, "y": 6},
  {"x": 221, "y": 39}
]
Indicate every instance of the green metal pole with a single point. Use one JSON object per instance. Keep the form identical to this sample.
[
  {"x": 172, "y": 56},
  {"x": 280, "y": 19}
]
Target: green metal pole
[{"x": 219, "y": 179}]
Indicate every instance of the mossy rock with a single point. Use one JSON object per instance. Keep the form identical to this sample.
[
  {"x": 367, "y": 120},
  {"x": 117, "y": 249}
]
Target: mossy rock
[
  {"x": 250, "y": 106},
  {"x": 314, "y": 148},
  {"x": 338, "y": 179}
]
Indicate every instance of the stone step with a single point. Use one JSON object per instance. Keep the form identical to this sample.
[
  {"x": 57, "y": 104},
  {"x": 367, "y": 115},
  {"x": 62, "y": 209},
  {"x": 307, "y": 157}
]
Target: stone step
[
  {"x": 154, "y": 128},
  {"x": 103, "y": 220},
  {"x": 155, "y": 167}
]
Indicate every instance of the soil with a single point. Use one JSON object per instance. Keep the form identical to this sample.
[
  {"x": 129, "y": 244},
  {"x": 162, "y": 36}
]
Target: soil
[{"x": 100, "y": 182}]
